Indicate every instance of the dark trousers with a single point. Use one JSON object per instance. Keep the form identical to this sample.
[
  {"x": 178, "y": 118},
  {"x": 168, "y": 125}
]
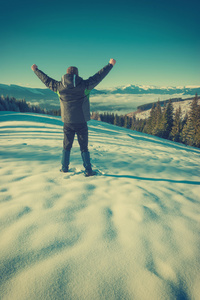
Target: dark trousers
[{"x": 69, "y": 133}]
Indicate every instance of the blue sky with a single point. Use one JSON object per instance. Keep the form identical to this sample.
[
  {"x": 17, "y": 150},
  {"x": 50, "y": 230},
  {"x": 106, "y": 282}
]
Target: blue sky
[{"x": 154, "y": 42}]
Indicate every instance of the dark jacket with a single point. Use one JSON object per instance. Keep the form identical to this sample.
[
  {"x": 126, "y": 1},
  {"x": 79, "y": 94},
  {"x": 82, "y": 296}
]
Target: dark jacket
[{"x": 74, "y": 92}]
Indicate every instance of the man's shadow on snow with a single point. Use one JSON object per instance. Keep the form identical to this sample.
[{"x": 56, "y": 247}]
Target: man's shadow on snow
[{"x": 152, "y": 179}]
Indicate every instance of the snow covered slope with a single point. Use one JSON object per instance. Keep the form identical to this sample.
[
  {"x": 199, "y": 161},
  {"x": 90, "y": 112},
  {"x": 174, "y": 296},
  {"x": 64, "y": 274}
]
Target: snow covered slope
[
  {"x": 184, "y": 105},
  {"x": 130, "y": 233}
]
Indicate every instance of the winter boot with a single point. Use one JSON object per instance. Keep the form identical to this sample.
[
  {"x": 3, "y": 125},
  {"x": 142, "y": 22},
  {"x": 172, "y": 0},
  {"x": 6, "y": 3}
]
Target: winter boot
[
  {"x": 87, "y": 164},
  {"x": 65, "y": 161}
]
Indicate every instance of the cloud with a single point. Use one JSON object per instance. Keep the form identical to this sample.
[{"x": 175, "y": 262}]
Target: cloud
[{"x": 124, "y": 103}]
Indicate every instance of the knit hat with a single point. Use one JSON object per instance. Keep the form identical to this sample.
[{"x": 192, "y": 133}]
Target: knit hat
[{"x": 72, "y": 70}]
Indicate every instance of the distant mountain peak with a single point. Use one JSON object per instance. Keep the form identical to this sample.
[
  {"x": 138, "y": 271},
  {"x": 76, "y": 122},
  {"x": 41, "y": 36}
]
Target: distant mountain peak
[
  {"x": 30, "y": 94},
  {"x": 153, "y": 89}
]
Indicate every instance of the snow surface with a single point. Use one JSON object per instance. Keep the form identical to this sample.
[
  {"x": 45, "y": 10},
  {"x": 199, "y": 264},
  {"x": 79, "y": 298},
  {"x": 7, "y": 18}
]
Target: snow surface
[{"x": 130, "y": 233}]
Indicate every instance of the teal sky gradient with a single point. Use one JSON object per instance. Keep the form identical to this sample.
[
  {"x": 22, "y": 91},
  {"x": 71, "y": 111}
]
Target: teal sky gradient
[{"x": 154, "y": 42}]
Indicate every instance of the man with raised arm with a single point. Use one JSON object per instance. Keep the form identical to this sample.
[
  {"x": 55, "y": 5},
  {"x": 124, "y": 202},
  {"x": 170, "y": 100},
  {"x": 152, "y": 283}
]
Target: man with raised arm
[{"x": 73, "y": 92}]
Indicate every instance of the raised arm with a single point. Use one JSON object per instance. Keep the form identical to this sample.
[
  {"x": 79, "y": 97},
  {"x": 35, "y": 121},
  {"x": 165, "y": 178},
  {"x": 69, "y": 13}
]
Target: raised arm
[
  {"x": 112, "y": 61},
  {"x": 49, "y": 82},
  {"x": 94, "y": 80}
]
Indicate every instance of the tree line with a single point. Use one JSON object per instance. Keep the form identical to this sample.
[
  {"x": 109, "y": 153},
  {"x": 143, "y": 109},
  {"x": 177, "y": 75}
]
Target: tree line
[
  {"x": 12, "y": 104},
  {"x": 162, "y": 122}
]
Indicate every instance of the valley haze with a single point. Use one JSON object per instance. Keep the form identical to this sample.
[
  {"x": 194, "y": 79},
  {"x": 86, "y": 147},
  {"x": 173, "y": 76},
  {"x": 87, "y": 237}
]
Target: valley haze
[{"x": 120, "y": 100}]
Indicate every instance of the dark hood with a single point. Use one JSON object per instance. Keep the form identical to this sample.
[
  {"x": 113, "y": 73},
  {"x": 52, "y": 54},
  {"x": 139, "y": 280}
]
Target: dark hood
[{"x": 70, "y": 81}]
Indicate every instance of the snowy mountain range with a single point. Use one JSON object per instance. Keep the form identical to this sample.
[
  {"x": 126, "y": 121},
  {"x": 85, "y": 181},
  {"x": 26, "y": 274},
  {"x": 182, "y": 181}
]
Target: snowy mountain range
[
  {"x": 130, "y": 233},
  {"x": 38, "y": 93},
  {"x": 150, "y": 89}
]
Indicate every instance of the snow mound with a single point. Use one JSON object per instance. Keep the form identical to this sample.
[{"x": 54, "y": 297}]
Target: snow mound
[{"x": 130, "y": 233}]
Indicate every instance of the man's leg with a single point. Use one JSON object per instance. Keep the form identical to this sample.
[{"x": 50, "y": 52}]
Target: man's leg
[
  {"x": 69, "y": 134},
  {"x": 82, "y": 134}
]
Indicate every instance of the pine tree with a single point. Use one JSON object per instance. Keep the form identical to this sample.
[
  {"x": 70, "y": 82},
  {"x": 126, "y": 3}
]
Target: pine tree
[
  {"x": 105, "y": 117},
  {"x": 140, "y": 125},
  {"x": 185, "y": 119},
  {"x": 195, "y": 113},
  {"x": 175, "y": 134},
  {"x": 5, "y": 103},
  {"x": 112, "y": 117},
  {"x": 116, "y": 120},
  {"x": 156, "y": 130},
  {"x": 190, "y": 134},
  {"x": 127, "y": 122},
  {"x": 151, "y": 121},
  {"x": 121, "y": 121},
  {"x": 197, "y": 135},
  {"x": 133, "y": 122},
  {"x": 167, "y": 120}
]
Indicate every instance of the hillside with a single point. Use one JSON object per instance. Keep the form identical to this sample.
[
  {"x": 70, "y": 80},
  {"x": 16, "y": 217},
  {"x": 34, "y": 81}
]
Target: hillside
[
  {"x": 184, "y": 104},
  {"x": 130, "y": 233}
]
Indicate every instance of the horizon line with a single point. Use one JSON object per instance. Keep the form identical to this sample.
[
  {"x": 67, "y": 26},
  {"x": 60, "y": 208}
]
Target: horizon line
[{"x": 115, "y": 87}]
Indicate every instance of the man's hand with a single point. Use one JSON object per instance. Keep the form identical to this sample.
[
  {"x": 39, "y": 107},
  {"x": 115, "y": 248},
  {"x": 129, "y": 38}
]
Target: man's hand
[
  {"x": 112, "y": 61},
  {"x": 34, "y": 67}
]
